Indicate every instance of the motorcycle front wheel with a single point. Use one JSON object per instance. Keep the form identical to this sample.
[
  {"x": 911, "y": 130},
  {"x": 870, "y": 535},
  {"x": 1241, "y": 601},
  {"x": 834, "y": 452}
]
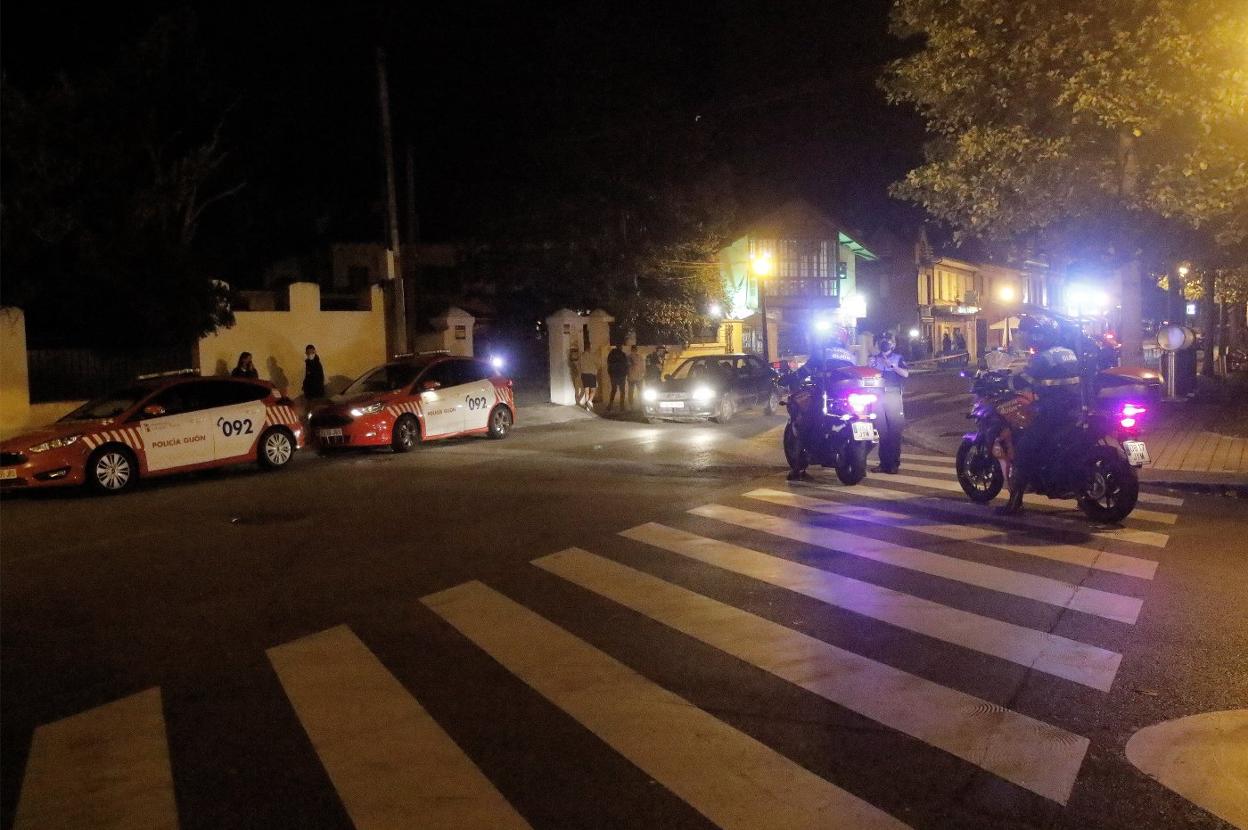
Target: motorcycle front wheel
[
  {"x": 1111, "y": 491},
  {"x": 853, "y": 466},
  {"x": 798, "y": 459},
  {"x": 978, "y": 472}
]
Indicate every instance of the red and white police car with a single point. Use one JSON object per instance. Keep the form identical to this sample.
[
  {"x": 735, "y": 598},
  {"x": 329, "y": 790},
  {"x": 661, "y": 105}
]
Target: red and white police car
[
  {"x": 418, "y": 398},
  {"x": 157, "y": 425}
]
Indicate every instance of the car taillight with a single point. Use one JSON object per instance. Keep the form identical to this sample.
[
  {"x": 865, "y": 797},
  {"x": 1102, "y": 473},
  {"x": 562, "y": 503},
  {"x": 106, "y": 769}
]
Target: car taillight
[
  {"x": 1127, "y": 423},
  {"x": 1131, "y": 410}
]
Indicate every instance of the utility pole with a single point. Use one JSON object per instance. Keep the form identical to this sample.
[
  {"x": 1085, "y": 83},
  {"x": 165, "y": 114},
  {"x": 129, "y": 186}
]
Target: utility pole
[
  {"x": 412, "y": 238},
  {"x": 396, "y": 333}
]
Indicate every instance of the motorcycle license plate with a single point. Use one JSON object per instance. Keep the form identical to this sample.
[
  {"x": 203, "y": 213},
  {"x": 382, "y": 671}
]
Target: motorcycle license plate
[
  {"x": 1137, "y": 453},
  {"x": 863, "y": 431}
]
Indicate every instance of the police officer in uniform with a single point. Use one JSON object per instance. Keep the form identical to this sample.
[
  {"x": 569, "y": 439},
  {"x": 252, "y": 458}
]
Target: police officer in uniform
[
  {"x": 893, "y": 366},
  {"x": 1053, "y": 374}
]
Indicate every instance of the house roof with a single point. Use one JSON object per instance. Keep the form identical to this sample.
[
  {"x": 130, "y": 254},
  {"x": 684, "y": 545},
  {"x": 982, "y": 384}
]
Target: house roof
[{"x": 799, "y": 219}]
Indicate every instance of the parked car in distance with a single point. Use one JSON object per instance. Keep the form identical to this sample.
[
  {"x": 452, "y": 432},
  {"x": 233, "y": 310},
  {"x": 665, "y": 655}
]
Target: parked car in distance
[
  {"x": 419, "y": 398},
  {"x": 713, "y": 387},
  {"x": 160, "y": 424}
]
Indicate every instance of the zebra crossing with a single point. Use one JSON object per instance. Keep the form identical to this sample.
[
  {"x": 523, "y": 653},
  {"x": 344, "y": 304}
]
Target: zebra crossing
[{"x": 392, "y": 763}]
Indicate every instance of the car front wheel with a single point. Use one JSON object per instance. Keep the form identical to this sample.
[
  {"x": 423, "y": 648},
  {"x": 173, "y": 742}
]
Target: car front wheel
[
  {"x": 406, "y": 434},
  {"x": 112, "y": 470}
]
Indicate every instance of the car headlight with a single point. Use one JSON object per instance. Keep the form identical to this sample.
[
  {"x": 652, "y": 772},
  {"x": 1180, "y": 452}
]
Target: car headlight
[
  {"x": 370, "y": 409},
  {"x": 650, "y": 395},
  {"x": 54, "y": 444},
  {"x": 702, "y": 394}
]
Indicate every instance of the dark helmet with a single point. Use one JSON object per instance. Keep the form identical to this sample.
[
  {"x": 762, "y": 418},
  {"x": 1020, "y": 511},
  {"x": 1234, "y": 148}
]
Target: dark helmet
[
  {"x": 1042, "y": 332},
  {"x": 886, "y": 342}
]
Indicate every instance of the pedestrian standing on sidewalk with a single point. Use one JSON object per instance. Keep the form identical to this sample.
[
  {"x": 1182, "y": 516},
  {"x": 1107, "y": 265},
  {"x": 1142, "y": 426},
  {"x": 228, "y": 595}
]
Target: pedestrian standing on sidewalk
[
  {"x": 589, "y": 378},
  {"x": 313, "y": 377},
  {"x": 946, "y": 345},
  {"x": 245, "y": 367},
  {"x": 893, "y": 366},
  {"x": 636, "y": 374},
  {"x": 617, "y": 371}
]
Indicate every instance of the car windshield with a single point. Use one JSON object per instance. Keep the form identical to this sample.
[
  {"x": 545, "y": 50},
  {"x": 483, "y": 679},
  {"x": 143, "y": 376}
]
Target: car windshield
[
  {"x": 706, "y": 368},
  {"x": 386, "y": 378},
  {"x": 111, "y": 405}
]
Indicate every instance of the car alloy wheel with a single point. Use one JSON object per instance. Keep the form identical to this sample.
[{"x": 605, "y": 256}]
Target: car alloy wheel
[
  {"x": 277, "y": 448},
  {"x": 113, "y": 471},
  {"x": 500, "y": 422},
  {"x": 406, "y": 434}
]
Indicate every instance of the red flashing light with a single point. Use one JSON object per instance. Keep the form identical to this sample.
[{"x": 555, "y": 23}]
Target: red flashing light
[{"x": 1127, "y": 423}]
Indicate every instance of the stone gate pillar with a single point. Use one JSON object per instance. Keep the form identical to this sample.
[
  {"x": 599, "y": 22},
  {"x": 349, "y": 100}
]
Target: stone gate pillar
[{"x": 565, "y": 330}]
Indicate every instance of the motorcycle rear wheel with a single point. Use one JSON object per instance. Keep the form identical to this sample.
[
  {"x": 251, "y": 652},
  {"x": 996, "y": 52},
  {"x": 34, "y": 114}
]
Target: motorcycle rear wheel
[
  {"x": 853, "y": 466},
  {"x": 1112, "y": 490},
  {"x": 978, "y": 472}
]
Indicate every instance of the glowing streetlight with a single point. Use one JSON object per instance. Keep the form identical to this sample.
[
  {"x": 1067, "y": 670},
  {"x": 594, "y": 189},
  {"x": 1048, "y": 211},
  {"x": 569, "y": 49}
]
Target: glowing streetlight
[
  {"x": 1007, "y": 294},
  {"x": 914, "y": 333},
  {"x": 1183, "y": 269},
  {"x": 763, "y": 264},
  {"x": 715, "y": 310}
]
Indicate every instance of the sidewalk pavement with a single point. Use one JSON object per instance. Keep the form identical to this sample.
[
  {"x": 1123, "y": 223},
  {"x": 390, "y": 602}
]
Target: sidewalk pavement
[{"x": 1199, "y": 444}]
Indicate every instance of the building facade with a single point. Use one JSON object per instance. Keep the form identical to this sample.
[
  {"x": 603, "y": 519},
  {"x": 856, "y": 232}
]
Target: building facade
[
  {"x": 802, "y": 265},
  {"x": 971, "y": 303}
]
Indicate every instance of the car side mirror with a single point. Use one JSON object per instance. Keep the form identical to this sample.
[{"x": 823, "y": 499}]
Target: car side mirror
[
  {"x": 154, "y": 410},
  {"x": 430, "y": 385}
]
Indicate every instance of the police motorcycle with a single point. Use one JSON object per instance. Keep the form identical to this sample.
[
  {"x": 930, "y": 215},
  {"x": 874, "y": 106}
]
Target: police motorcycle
[
  {"x": 1094, "y": 460},
  {"x": 831, "y": 405}
]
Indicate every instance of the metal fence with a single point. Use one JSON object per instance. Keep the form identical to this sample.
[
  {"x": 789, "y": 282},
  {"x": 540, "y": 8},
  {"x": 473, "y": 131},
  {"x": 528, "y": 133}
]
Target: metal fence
[{"x": 79, "y": 374}]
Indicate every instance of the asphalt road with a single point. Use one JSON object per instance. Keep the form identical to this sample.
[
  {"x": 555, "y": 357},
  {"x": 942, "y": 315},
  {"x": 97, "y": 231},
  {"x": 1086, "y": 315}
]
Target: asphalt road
[{"x": 464, "y": 634}]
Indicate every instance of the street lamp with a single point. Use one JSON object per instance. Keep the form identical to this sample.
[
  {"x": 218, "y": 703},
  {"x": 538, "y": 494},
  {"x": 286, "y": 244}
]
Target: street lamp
[
  {"x": 763, "y": 266},
  {"x": 1006, "y": 294}
]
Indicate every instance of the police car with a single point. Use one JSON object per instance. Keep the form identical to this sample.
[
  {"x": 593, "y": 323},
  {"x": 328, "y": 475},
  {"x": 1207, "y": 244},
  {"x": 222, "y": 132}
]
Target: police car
[
  {"x": 417, "y": 398},
  {"x": 159, "y": 424}
]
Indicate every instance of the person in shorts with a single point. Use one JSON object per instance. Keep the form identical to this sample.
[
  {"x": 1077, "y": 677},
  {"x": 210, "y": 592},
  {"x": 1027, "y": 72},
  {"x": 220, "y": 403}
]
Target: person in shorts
[{"x": 589, "y": 378}]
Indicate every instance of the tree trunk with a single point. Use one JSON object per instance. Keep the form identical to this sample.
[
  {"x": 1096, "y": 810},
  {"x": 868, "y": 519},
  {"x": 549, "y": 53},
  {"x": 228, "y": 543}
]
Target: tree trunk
[
  {"x": 1131, "y": 335},
  {"x": 1175, "y": 310},
  {"x": 1208, "y": 320},
  {"x": 1236, "y": 313}
]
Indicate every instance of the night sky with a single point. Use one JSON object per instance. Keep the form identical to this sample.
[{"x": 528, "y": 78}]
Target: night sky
[{"x": 495, "y": 98}]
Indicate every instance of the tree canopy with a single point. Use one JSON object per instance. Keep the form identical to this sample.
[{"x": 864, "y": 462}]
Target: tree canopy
[
  {"x": 1059, "y": 115},
  {"x": 107, "y": 178}
]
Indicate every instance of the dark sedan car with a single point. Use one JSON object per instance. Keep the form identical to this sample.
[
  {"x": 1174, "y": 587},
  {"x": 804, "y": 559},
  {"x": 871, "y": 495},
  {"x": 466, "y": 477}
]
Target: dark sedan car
[{"x": 712, "y": 387}]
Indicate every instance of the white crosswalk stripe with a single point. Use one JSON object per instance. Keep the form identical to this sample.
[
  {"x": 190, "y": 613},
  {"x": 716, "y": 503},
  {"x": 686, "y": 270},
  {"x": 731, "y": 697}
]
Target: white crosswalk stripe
[
  {"x": 1032, "y": 754},
  {"x": 390, "y": 762},
  {"x": 1144, "y": 498},
  {"x": 948, "y": 462},
  {"x": 965, "y": 532},
  {"x": 983, "y": 513},
  {"x": 729, "y": 777},
  {"x": 951, "y": 485},
  {"x": 1038, "y": 588},
  {"x": 1039, "y": 650},
  {"x": 105, "y": 767}
]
